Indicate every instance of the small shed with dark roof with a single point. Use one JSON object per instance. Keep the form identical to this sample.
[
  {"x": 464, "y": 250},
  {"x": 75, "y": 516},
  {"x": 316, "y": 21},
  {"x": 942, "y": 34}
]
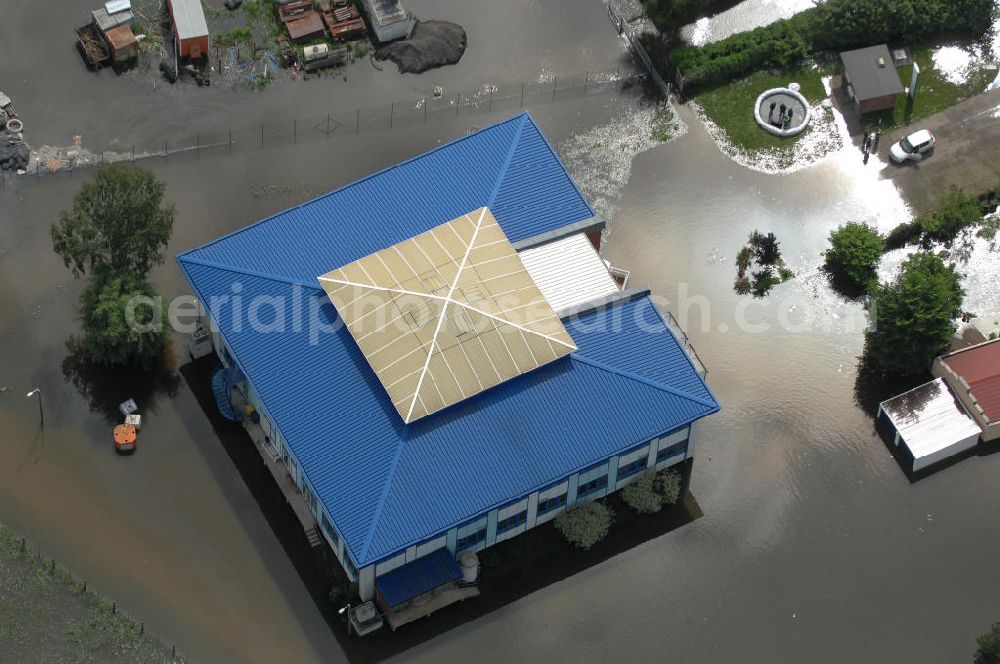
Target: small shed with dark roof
[{"x": 871, "y": 78}]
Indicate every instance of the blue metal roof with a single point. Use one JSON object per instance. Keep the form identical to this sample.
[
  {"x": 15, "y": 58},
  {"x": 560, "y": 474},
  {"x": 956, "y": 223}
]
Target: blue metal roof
[
  {"x": 418, "y": 577},
  {"x": 387, "y": 485}
]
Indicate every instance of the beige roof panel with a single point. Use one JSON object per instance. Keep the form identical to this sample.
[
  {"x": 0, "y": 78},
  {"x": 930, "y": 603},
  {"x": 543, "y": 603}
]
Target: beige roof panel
[{"x": 446, "y": 314}]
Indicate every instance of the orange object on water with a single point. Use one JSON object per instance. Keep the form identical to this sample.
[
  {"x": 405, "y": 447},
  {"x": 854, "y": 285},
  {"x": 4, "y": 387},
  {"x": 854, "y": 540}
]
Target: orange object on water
[{"x": 125, "y": 438}]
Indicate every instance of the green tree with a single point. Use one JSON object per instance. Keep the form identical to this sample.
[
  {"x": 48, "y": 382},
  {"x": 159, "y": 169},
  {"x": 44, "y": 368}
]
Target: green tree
[
  {"x": 855, "y": 250},
  {"x": 122, "y": 323},
  {"x": 118, "y": 222},
  {"x": 642, "y": 496},
  {"x": 914, "y": 315},
  {"x": 585, "y": 525},
  {"x": 988, "y": 651}
]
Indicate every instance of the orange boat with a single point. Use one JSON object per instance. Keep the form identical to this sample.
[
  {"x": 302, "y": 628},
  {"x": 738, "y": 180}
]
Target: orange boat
[{"x": 125, "y": 438}]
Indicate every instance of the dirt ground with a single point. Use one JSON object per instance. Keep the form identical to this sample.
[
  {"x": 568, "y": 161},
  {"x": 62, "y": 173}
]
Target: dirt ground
[{"x": 968, "y": 142}]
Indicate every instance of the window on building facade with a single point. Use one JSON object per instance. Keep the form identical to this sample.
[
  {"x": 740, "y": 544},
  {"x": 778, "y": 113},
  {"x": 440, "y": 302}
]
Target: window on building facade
[
  {"x": 593, "y": 486},
  {"x": 328, "y": 529},
  {"x": 349, "y": 564},
  {"x": 546, "y": 505},
  {"x": 630, "y": 469},
  {"x": 470, "y": 540},
  {"x": 511, "y": 522},
  {"x": 673, "y": 450}
]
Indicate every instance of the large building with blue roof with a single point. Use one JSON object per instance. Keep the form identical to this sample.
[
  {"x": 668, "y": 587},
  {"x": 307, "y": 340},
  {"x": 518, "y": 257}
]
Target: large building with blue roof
[{"x": 388, "y": 491}]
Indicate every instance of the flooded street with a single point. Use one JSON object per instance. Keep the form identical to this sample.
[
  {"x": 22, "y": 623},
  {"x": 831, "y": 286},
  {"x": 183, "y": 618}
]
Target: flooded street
[{"x": 814, "y": 547}]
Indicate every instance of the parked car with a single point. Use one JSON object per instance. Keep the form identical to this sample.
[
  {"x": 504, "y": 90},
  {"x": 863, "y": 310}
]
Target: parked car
[{"x": 913, "y": 147}]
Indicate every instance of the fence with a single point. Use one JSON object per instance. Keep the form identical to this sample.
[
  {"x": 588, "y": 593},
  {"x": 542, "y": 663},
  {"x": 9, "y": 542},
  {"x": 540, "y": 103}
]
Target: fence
[
  {"x": 630, "y": 33},
  {"x": 395, "y": 115},
  {"x": 46, "y": 570}
]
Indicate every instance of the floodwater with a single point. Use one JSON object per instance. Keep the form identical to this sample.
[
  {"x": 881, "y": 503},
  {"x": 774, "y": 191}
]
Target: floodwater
[
  {"x": 814, "y": 546},
  {"x": 59, "y": 99},
  {"x": 745, "y": 16}
]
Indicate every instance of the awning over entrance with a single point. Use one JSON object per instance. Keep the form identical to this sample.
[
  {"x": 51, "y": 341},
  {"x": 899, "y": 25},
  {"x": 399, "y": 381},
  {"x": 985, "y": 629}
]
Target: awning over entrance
[{"x": 418, "y": 577}]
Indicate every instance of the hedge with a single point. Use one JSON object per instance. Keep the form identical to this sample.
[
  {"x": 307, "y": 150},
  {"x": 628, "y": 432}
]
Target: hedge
[{"x": 835, "y": 25}]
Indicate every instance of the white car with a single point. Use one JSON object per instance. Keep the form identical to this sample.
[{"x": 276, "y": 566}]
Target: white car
[{"x": 913, "y": 147}]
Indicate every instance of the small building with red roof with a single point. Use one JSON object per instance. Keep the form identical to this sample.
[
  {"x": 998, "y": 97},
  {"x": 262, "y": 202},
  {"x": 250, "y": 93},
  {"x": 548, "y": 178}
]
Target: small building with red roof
[{"x": 973, "y": 374}]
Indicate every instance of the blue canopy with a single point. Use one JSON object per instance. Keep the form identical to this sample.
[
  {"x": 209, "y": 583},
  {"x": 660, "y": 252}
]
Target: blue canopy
[{"x": 418, "y": 577}]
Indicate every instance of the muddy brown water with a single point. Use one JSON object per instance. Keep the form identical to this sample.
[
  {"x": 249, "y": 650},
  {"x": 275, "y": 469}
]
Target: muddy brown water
[
  {"x": 813, "y": 545},
  {"x": 59, "y": 98}
]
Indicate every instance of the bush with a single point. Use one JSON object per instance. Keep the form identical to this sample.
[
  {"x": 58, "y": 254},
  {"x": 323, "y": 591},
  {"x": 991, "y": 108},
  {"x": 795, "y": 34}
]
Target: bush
[
  {"x": 988, "y": 651},
  {"x": 668, "y": 485},
  {"x": 834, "y": 25},
  {"x": 902, "y": 235},
  {"x": 914, "y": 316},
  {"x": 956, "y": 212},
  {"x": 584, "y": 525},
  {"x": 855, "y": 250},
  {"x": 642, "y": 497}
]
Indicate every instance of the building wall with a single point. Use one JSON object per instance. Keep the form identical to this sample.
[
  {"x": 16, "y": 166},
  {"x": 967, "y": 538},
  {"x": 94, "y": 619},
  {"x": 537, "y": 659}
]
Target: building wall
[
  {"x": 185, "y": 47},
  {"x": 486, "y": 529},
  {"x": 876, "y": 104},
  {"x": 496, "y": 525}
]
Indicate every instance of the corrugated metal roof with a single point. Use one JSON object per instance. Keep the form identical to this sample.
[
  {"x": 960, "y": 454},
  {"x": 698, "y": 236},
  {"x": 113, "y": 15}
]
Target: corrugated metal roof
[
  {"x": 980, "y": 367},
  {"x": 418, "y": 577},
  {"x": 189, "y": 18},
  {"x": 929, "y": 418},
  {"x": 568, "y": 272},
  {"x": 388, "y": 485}
]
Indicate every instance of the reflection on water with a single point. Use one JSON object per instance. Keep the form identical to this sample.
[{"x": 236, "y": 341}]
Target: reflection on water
[
  {"x": 744, "y": 16},
  {"x": 105, "y": 387}
]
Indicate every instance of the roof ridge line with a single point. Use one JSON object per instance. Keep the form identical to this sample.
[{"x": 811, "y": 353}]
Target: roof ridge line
[
  {"x": 641, "y": 379},
  {"x": 355, "y": 182},
  {"x": 506, "y": 162},
  {"x": 251, "y": 273}
]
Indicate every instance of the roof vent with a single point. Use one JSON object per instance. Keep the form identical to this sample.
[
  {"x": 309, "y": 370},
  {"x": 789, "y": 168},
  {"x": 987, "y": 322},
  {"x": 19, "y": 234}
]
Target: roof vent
[{"x": 881, "y": 63}]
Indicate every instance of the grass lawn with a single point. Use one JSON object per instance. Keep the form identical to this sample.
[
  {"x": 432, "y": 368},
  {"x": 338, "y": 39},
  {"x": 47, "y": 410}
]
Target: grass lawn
[
  {"x": 731, "y": 106},
  {"x": 934, "y": 92},
  {"x": 47, "y": 615}
]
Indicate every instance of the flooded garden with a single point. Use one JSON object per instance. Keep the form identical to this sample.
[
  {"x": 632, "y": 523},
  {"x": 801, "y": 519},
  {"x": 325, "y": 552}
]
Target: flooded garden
[{"x": 813, "y": 545}]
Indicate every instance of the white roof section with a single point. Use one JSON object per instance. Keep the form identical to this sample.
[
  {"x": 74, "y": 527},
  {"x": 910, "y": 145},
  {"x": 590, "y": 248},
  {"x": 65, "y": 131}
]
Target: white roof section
[
  {"x": 189, "y": 19},
  {"x": 446, "y": 314},
  {"x": 115, "y": 6},
  {"x": 930, "y": 419},
  {"x": 569, "y": 272}
]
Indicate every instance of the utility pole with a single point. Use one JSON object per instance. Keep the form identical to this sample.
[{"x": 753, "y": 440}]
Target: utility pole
[{"x": 41, "y": 413}]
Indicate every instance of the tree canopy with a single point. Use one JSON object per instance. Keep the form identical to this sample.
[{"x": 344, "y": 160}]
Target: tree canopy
[
  {"x": 118, "y": 222},
  {"x": 854, "y": 253},
  {"x": 121, "y": 324},
  {"x": 914, "y": 315},
  {"x": 988, "y": 651}
]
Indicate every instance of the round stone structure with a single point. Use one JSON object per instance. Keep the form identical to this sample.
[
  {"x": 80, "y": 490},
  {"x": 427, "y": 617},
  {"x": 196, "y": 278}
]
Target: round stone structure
[{"x": 769, "y": 118}]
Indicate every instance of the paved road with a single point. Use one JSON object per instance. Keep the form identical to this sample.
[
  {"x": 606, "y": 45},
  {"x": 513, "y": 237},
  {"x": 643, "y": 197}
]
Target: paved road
[{"x": 968, "y": 145}]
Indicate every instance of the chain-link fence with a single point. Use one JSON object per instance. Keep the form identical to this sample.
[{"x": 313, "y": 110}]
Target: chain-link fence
[{"x": 294, "y": 130}]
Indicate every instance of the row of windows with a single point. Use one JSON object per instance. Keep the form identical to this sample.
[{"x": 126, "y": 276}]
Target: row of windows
[
  {"x": 593, "y": 486},
  {"x": 512, "y": 522},
  {"x": 673, "y": 450},
  {"x": 546, "y": 505},
  {"x": 470, "y": 540},
  {"x": 630, "y": 469}
]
